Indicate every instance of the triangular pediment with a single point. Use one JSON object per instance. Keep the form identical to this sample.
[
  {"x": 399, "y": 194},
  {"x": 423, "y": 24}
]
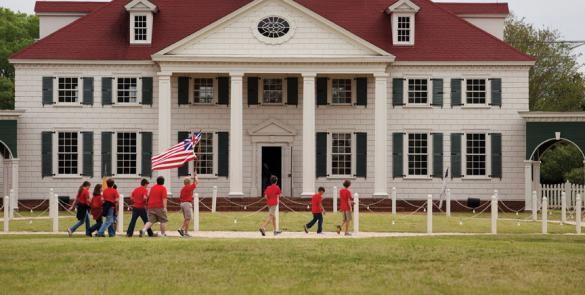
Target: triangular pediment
[
  {"x": 308, "y": 35},
  {"x": 271, "y": 128},
  {"x": 403, "y": 6},
  {"x": 140, "y": 5}
]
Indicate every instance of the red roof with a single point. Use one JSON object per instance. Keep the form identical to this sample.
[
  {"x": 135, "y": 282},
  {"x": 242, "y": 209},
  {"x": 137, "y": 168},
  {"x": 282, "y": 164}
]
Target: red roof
[
  {"x": 476, "y": 8},
  {"x": 67, "y": 6},
  {"x": 103, "y": 34}
]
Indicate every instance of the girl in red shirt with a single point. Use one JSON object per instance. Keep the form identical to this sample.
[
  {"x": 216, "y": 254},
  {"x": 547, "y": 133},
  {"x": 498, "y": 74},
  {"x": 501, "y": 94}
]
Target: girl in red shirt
[
  {"x": 96, "y": 208},
  {"x": 82, "y": 202}
]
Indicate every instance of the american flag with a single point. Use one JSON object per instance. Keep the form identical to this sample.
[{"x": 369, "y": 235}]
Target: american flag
[{"x": 177, "y": 155}]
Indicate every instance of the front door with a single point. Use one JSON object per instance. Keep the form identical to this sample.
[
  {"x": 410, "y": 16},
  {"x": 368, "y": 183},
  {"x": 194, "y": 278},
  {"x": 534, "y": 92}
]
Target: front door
[{"x": 271, "y": 165}]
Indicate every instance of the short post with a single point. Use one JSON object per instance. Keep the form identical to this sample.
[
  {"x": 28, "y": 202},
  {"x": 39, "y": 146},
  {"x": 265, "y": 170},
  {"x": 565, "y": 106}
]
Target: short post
[
  {"x": 6, "y": 212},
  {"x": 544, "y": 215},
  {"x": 356, "y": 213},
  {"x": 120, "y": 216},
  {"x": 196, "y": 213},
  {"x": 335, "y": 196},
  {"x": 578, "y": 214},
  {"x": 563, "y": 207},
  {"x": 534, "y": 206},
  {"x": 54, "y": 208},
  {"x": 214, "y": 199},
  {"x": 448, "y": 203},
  {"x": 429, "y": 214},
  {"x": 394, "y": 202},
  {"x": 494, "y": 214},
  {"x": 12, "y": 204},
  {"x": 277, "y": 217}
]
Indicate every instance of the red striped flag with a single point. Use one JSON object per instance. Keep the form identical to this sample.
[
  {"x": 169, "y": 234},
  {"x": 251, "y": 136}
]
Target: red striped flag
[{"x": 177, "y": 155}]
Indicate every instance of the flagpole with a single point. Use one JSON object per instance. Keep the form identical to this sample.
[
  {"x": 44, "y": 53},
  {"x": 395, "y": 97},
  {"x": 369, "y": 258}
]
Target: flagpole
[{"x": 196, "y": 164}]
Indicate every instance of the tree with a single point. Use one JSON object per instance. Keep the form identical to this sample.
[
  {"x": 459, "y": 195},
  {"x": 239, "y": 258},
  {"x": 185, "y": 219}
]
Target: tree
[
  {"x": 17, "y": 30},
  {"x": 562, "y": 162}
]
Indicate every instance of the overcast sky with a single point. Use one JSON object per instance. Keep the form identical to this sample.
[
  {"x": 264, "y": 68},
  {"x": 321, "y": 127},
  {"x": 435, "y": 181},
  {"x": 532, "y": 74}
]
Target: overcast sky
[{"x": 568, "y": 17}]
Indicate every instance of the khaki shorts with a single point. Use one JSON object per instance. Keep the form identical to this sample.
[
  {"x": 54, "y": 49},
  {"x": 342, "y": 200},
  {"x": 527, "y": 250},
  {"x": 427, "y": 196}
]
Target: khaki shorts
[
  {"x": 187, "y": 209},
  {"x": 157, "y": 215},
  {"x": 346, "y": 216},
  {"x": 272, "y": 210}
]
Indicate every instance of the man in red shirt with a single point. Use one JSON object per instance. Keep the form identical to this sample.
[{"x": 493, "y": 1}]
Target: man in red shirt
[
  {"x": 139, "y": 196},
  {"x": 317, "y": 210},
  {"x": 186, "y": 200},
  {"x": 272, "y": 193},
  {"x": 345, "y": 207},
  {"x": 110, "y": 197},
  {"x": 157, "y": 207}
]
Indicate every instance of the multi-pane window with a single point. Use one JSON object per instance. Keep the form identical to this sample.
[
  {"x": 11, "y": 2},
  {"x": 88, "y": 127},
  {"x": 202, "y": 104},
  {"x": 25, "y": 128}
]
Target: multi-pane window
[
  {"x": 418, "y": 91},
  {"x": 272, "y": 91},
  {"x": 203, "y": 90},
  {"x": 403, "y": 29},
  {"x": 418, "y": 154},
  {"x": 68, "y": 153},
  {"x": 68, "y": 89},
  {"x": 341, "y": 92},
  {"x": 205, "y": 153},
  {"x": 126, "y": 153},
  {"x": 140, "y": 29},
  {"x": 341, "y": 154},
  {"x": 127, "y": 90},
  {"x": 476, "y": 154},
  {"x": 476, "y": 91}
]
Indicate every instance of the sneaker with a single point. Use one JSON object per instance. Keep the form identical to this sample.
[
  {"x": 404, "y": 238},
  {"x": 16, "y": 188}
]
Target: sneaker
[
  {"x": 69, "y": 232},
  {"x": 181, "y": 232},
  {"x": 306, "y": 229},
  {"x": 163, "y": 235},
  {"x": 262, "y": 232},
  {"x": 338, "y": 229},
  {"x": 141, "y": 233},
  {"x": 277, "y": 232}
]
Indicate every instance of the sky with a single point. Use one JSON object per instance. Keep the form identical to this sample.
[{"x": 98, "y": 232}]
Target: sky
[{"x": 566, "y": 16}]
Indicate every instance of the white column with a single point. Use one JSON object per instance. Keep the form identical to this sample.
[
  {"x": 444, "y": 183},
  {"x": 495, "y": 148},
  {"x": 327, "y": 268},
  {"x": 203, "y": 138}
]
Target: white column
[
  {"x": 394, "y": 202},
  {"x": 448, "y": 203},
  {"x": 309, "y": 173},
  {"x": 527, "y": 185},
  {"x": 6, "y": 213},
  {"x": 196, "y": 212},
  {"x": 120, "y": 222},
  {"x": 381, "y": 134},
  {"x": 236, "y": 134},
  {"x": 214, "y": 199},
  {"x": 335, "y": 196},
  {"x": 544, "y": 215},
  {"x": 536, "y": 179},
  {"x": 429, "y": 214},
  {"x": 563, "y": 208},
  {"x": 13, "y": 170},
  {"x": 494, "y": 216},
  {"x": 356, "y": 213},
  {"x": 164, "y": 121}
]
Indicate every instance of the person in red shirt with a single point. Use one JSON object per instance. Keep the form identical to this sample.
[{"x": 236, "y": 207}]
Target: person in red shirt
[
  {"x": 345, "y": 207},
  {"x": 82, "y": 202},
  {"x": 96, "y": 208},
  {"x": 110, "y": 197},
  {"x": 272, "y": 193},
  {"x": 317, "y": 210},
  {"x": 157, "y": 207},
  {"x": 139, "y": 196},
  {"x": 186, "y": 200}
]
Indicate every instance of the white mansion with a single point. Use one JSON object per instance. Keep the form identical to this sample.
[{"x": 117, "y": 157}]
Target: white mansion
[{"x": 386, "y": 93}]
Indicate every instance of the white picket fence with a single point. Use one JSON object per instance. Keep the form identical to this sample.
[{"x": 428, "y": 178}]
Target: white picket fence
[{"x": 553, "y": 193}]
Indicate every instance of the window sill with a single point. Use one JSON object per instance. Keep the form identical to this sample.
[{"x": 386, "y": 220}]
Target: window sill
[
  {"x": 128, "y": 177},
  {"x": 476, "y": 107},
  {"x": 341, "y": 104},
  {"x": 417, "y": 106},
  {"x": 203, "y": 104},
  {"x": 126, "y": 105},
  {"x": 200, "y": 176},
  {"x": 341, "y": 177},
  {"x": 68, "y": 105},
  {"x": 271, "y": 104},
  {"x": 67, "y": 177},
  {"x": 483, "y": 178},
  {"x": 417, "y": 177}
]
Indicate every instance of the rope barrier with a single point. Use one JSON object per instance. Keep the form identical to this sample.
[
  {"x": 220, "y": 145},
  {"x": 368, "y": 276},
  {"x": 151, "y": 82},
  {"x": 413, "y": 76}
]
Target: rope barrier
[
  {"x": 509, "y": 209},
  {"x": 294, "y": 202},
  {"x": 373, "y": 204},
  {"x": 409, "y": 203},
  {"x": 32, "y": 208}
]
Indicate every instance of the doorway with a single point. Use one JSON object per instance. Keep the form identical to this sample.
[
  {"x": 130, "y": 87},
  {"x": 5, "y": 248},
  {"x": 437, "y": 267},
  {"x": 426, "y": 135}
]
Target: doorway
[{"x": 271, "y": 165}]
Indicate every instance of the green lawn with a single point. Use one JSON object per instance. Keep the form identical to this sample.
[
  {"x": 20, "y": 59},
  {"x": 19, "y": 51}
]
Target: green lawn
[{"x": 507, "y": 264}]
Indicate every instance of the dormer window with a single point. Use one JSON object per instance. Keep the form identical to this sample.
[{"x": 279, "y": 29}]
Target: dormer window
[
  {"x": 403, "y": 22},
  {"x": 140, "y": 28},
  {"x": 141, "y": 16}
]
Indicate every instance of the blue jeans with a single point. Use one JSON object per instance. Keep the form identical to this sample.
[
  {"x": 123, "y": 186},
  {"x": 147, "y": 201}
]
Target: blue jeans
[
  {"x": 80, "y": 222},
  {"x": 138, "y": 212},
  {"x": 96, "y": 226},
  {"x": 317, "y": 218},
  {"x": 108, "y": 224}
]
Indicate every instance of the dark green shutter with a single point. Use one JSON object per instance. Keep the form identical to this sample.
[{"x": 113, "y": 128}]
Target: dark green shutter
[
  {"x": 438, "y": 155},
  {"x": 496, "y": 155},
  {"x": 183, "y": 90},
  {"x": 322, "y": 91},
  {"x": 456, "y": 155},
  {"x": 147, "y": 90},
  {"x": 361, "y": 91},
  {"x": 456, "y": 92},
  {"x": 107, "y": 154},
  {"x": 107, "y": 90},
  {"x": 87, "y": 154},
  {"x": 397, "y": 92},
  {"x": 47, "y": 153},
  {"x": 48, "y": 90},
  {"x": 146, "y": 154},
  {"x": 496, "y": 92},
  {"x": 361, "y": 158},
  {"x": 397, "y": 155},
  {"x": 437, "y": 92},
  {"x": 292, "y": 91},
  {"x": 253, "y": 90},
  {"x": 87, "y": 91},
  {"x": 183, "y": 170},
  {"x": 223, "y": 91},
  {"x": 223, "y": 154},
  {"x": 321, "y": 154}
]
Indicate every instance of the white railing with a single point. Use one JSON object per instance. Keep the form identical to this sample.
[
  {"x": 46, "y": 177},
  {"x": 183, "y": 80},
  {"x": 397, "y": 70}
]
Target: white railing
[{"x": 553, "y": 193}]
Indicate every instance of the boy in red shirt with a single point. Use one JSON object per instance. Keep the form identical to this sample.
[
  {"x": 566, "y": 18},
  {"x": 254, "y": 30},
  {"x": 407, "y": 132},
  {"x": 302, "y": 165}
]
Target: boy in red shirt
[
  {"x": 157, "y": 207},
  {"x": 317, "y": 210},
  {"x": 345, "y": 207},
  {"x": 186, "y": 201},
  {"x": 272, "y": 193},
  {"x": 110, "y": 197},
  {"x": 139, "y": 196},
  {"x": 82, "y": 202}
]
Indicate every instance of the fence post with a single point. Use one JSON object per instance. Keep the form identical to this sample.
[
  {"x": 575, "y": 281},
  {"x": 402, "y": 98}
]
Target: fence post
[
  {"x": 563, "y": 208},
  {"x": 120, "y": 216},
  {"x": 394, "y": 202},
  {"x": 277, "y": 217},
  {"x": 569, "y": 191},
  {"x": 534, "y": 206},
  {"x": 429, "y": 214},
  {"x": 448, "y": 203},
  {"x": 578, "y": 214},
  {"x": 6, "y": 213},
  {"x": 196, "y": 213},
  {"x": 12, "y": 204},
  {"x": 495, "y": 214},
  {"x": 335, "y": 193},
  {"x": 544, "y": 215},
  {"x": 54, "y": 208},
  {"x": 356, "y": 213},
  {"x": 214, "y": 199}
]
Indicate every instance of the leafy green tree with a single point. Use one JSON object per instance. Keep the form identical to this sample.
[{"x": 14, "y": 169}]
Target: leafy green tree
[{"x": 561, "y": 163}]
